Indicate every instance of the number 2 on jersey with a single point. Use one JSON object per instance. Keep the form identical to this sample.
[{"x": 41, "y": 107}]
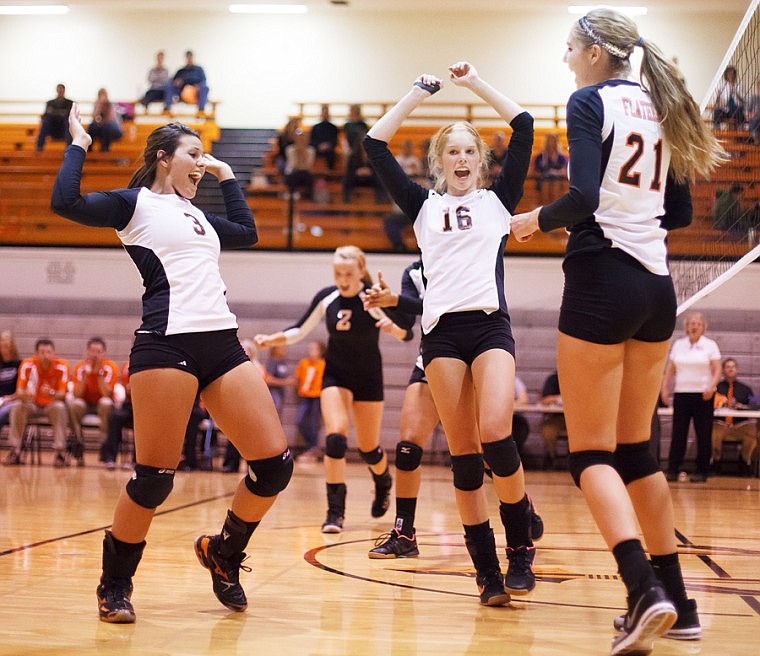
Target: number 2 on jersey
[{"x": 627, "y": 173}]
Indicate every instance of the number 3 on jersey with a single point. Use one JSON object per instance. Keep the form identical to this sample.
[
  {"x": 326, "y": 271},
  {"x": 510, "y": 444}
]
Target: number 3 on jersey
[
  {"x": 628, "y": 174},
  {"x": 464, "y": 220}
]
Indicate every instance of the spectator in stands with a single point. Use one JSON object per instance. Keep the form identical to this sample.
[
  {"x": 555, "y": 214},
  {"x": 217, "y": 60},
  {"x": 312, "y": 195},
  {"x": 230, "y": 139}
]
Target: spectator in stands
[
  {"x": 324, "y": 138},
  {"x": 94, "y": 379},
  {"x": 9, "y": 364},
  {"x": 752, "y": 109},
  {"x": 299, "y": 165},
  {"x": 158, "y": 79},
  {"x": 552, "y": 423},
  {"x": 285, "y": 138},
  {"x": 190, "y": 461},
  {"x": 308, "y": 376},
  {"x": 729, "y": 214},
  {"x": 277, "y": 375},
  {"x": 729, "y": 100},
  {"x": 41, "y": 391},
  {"x": 496, "y": 153},
  {"x": 354, "y": 128},
  {"x": 359, "y": 173},
  {"x": 54, "y": 122},
  {"x": 732, "y": 393},
  {"x": 190, "y": 79},
  {"x": 106, "y": 122},
  {"x": 693, "y": 372},
  {"x": 550, "y": 169},
  {"x": 121, "y": 417}
]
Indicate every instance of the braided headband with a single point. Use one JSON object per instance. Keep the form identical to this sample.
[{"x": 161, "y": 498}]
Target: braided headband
[{"x": 609, "y": 47}]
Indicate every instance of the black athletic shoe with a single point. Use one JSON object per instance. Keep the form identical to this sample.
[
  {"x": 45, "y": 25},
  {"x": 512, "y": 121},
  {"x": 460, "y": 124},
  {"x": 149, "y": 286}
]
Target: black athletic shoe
[
  {"x": 114, "y": 603},
  {"x": 225, "y": 572},
  {"x": 491, "y": 588},
  {"x": 382, "y": 500},
  {"x": 686, "y": 627},
  {"x": 395, "y": 545},
  {"x": 520, "y": 578},
  {"x": 652, "y": 616},
  {"x": 333, "y": 522}
]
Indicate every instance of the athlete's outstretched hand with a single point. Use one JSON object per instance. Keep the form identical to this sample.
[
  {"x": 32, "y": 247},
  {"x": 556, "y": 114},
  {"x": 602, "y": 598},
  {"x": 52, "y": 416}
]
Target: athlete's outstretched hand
[
  {"x": 79, "y": 136},
  {"x": 219, "y": 169},
  {"x": 379, "y": 295},
  {"x": 429, "y": 83},
  {"x": 463, "y": 74}
]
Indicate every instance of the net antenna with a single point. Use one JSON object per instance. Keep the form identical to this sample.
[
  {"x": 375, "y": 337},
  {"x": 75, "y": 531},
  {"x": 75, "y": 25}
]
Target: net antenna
[{"x": 723, "y": 237}]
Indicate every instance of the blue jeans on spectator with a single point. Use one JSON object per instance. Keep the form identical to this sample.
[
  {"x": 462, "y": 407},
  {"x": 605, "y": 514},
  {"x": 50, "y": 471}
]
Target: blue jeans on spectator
[{"x": 308, "y": 419}]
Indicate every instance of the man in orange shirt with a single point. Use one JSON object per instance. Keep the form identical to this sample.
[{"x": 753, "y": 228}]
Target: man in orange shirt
[
  {"x": 94, "y": 379},
  {"x": 308, "y": 375},
  {"x": 41, "y": 390}
]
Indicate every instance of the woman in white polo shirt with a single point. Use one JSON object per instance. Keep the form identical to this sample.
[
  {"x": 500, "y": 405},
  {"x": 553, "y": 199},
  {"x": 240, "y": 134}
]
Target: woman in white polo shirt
[{"x": 694, "y": 363}]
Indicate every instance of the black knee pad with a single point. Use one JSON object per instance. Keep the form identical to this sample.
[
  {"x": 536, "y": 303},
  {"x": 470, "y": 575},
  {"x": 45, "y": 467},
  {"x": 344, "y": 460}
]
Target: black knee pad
[
  {"x": 635, "y": 461},
  {"x": 408, "y": 456},
  {"x": 468, "y": 471},
  {"x": 336, "y": 445},
  {"x": 372, "y": 457},
  {"x": 269, "y": 476},
  {"x": 580, "y": 460},
  {"x": 502, "y": 456},
  {"x": 149, "y": 486}
]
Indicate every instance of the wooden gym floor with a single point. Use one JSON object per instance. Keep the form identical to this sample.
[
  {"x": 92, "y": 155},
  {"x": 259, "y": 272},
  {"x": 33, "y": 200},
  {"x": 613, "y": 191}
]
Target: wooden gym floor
[{"x": 320, "y": 595}]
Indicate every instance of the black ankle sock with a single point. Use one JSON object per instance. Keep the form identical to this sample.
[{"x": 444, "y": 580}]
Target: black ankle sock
[
  {"x": 481, "y": 546},
  {"x": 383, "y": 480},
  {"x": 235, "y": 535},
  {"x": 405, "y": 512},
  {"x": 634, "y": 567},
  {"x": 516, "y": 520},
  {"x": 668, "y": 571},
  {"x": 120, "y": 559},
  {"x": 336, "y": 497}
]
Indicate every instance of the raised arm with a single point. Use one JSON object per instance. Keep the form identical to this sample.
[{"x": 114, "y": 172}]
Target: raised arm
[{"x": 387, "y": 125}]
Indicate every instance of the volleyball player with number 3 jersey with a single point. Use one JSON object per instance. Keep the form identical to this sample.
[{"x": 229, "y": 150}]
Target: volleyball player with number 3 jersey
[
  {"x": 633, "y": 150},
  {"x": 467, "y": 345}
]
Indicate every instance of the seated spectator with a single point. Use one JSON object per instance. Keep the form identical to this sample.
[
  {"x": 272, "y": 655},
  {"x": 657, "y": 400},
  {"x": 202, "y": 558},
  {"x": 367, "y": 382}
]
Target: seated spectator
[
  {"x": 359, "y": 173},
  {"x": 324, "y": 138},
  {"x": 308, "y": 376},
  {"x": 277, "y": 375},
  {"x": 732, "y": 393},
  {"x": 299, "y": 165},
  {"x": 552, "y": 423},
  {"x": 190, "y": 75},
  {"x": 158, "y": 79},
  {"x": 550, "y": 169},
  {"x": 409, "y": 162},
  {"x": 94, "y": 380},
  {"x": 190, "y": 460},
  {"x": 285, "y": 138},
  {"x": 354, "y": 128},
  {"x": 54, "y": 122},
  {"x": 520, "y": 426},
  {"x": 121, "y": 417},
  {"x": 729, "y": 100},
  {"x": 106, "y": 123},
  {"x": 41, "y": 391},
  {"x": 496, "y": 153},
  {"x": 9, "y": 364}
]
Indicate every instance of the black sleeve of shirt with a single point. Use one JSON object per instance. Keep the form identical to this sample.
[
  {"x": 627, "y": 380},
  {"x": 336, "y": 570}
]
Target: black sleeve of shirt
[
  {"x": 238, "y": 229},
  {"x": 508, "y": 186},
  {"x": 585, "y": 117},
  {"x": 406, "y": 193},
  {"x": 409, "y": 299},
  {"x": 678, "y": 207},
  {"x": 102, "y": 209}
]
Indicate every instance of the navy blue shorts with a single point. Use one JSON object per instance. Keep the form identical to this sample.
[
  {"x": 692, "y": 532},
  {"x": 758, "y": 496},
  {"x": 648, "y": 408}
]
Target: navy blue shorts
[
  {"x": 207, "y": 356},
  {"x": 609, "y": 298},
  {"x": 366, "y": 386},
  {"x": 418, "y": 374},
  {"x": 465, "y": 335}
]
